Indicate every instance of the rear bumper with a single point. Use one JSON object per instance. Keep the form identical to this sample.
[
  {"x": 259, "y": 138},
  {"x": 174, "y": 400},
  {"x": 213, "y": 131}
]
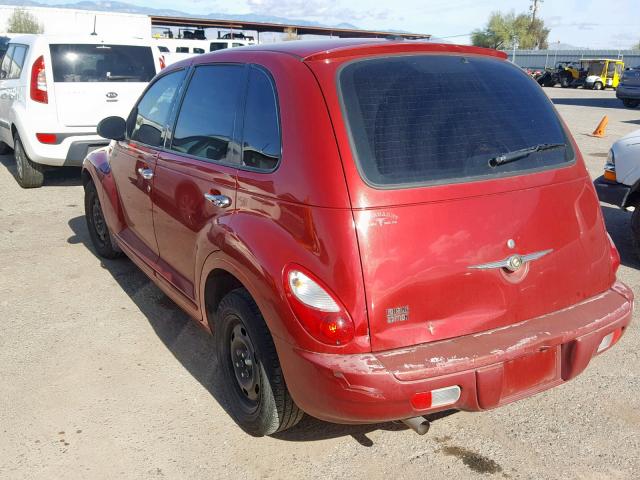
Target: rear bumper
[
  {"x": 69, "y": 151},
  {"x": 611, "y": 192},
  {"x": 375, "y": 387},
  {"x": 631, "y": 93}
]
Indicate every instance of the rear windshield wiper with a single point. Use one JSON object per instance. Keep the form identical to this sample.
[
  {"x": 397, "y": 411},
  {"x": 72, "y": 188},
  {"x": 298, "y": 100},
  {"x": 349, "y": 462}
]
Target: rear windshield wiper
[{"x": 523, "y": 153}]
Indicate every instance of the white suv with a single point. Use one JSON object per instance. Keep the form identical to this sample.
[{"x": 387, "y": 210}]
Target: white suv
[{"x": 55, "y": 89}]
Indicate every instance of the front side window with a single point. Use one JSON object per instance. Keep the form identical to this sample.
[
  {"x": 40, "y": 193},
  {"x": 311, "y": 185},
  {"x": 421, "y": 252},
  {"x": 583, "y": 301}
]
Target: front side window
[
  {"x": 261, "y": 133},
  {"x": 198, "y": 50},
  {"x": 147, "y": 121},
  {"x": 207, "y": 119},
  {"x": 428, "y": 119},
  {"x": 182, "y": 49},
  {"x": 102, "y": 63}
]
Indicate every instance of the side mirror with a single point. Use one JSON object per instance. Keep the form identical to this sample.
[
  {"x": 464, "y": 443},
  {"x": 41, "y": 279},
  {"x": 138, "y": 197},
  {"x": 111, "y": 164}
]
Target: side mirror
[{"x": 113, "y": 128}]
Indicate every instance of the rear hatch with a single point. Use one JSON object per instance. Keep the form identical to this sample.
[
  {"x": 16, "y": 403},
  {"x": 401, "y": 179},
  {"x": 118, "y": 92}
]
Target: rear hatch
[
  {"x": 438, "y": 225},
  {"x": 94, "y": 81}
]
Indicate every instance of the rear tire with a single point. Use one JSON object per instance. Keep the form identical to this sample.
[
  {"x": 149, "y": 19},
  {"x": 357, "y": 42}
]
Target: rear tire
[
  {"x": 597, "y": 86},
  {"x": 4, "y": 148},
  {"x": 630, "y": 103},
  {"x": 253, "y": 381},
  {"x": 28, "y": 173},
  {"x": 96, "y": 224}
]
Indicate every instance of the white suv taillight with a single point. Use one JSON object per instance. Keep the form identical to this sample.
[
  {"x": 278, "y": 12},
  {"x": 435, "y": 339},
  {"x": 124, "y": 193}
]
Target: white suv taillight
[
  {"x": 39, "y": 81},
  {"x": 610, "y": 167}
]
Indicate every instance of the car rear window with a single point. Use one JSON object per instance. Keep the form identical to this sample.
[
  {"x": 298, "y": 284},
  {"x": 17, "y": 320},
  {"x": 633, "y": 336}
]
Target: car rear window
[
  {"x": 428, "y": 119},
  {"x": 102, "y": 63}
]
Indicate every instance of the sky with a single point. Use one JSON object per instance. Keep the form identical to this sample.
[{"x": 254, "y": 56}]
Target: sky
[{"x": 582, "y": 23}]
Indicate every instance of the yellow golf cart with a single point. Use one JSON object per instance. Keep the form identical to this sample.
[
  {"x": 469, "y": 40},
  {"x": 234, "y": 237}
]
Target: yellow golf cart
[{"x": 602, "y": 73}]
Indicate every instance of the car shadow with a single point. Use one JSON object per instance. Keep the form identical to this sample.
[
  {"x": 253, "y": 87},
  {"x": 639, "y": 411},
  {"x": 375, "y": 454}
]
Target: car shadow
[
  {"x": 195, "y": 349},
  {"x": 634, "y": 122},
  {"x": 590, "y": 102},
  {"x": 618, "y": 226},
  {"x": 54, "y": 177}
]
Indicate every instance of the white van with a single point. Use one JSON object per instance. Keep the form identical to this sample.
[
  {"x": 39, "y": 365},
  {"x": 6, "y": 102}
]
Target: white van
[
  {"x": 176, "y": 49},
  {"x": 55, "y": 89}
]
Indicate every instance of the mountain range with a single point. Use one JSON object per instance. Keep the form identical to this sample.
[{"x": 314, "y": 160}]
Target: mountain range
[{"x": 122, "y": 7}]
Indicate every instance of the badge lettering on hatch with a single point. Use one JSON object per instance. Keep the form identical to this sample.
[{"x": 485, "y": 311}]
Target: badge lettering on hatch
[{"x": 398, "y": 314}]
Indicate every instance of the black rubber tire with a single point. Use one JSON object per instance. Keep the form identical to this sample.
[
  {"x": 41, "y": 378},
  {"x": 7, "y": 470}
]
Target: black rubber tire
[
  {"x": 565, "y": 81},
  {"x": 4, "y": 148},
  {"x": 627, "y": 102},
  {"x": 275, "y": 410},
  {"x": 598, "y": 86},
  {"x": 100, "y": 235},
  {"x": 28, "y": 174}
]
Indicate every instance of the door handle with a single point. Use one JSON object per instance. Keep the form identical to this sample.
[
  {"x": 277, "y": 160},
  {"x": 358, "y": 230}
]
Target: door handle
[
  {"x": 145, "y": 173},
  {"x": 221, "y": 201}
]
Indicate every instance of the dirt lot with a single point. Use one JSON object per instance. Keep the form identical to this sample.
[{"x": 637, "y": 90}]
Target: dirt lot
[{"x": 101, "y": 376}]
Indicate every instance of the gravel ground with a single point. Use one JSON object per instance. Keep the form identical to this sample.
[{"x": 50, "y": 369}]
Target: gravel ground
[{"x": 101, "y": 376}]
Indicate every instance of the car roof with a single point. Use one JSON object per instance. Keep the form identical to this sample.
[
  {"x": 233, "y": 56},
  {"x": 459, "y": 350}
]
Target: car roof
[
  {"x": 334, "y": 48},
  {"x": 81, "y": 39}
]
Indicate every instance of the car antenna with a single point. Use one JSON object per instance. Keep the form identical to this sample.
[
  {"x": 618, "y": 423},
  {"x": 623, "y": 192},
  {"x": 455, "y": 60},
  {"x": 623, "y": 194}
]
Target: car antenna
[{"x": 94, "y": 25}]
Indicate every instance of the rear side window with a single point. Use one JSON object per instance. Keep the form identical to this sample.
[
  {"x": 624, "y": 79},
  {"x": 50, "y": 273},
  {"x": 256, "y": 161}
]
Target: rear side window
[
  {"x": 261, "y": 137},
  {"x": 182, "y": 49},
  {"x": 13, "y": 62},
  {"x": 214, "y": 46},
  {"x": 207, "y": 120},
  {"x": 198, "y": 50},
  {"x": 147, "y": 121},
  {"x": 102, "y": 63},
  {"x": 439, "y": 119}
]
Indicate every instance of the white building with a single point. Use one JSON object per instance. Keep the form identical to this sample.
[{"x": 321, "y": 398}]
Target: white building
[{"x": 68, "y": 21}]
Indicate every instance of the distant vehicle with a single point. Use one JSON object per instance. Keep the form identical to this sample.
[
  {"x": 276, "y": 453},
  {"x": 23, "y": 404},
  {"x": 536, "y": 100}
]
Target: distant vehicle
[
  {"x": 55, "y": 89},
  {"x": 629, "y": 88},
  {"x": 603, "y": 73},
  {"x": 374, "y": 230},
  {"x": 176, "y": 49},
  {"x": 593, "y": 74},
  {"x": 620, "y": 183}
]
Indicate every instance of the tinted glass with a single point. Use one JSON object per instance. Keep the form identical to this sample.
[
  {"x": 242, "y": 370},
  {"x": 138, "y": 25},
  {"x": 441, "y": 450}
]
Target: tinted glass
[
  {"x": 438, "y": 119},
  {"x": 261, "y": 137},
  {"x": 6, "y": 62},
  {"x": 182, "y": 49},
  {"x": 147, "y": 121},
  {"x": 102, "y": 63},
  {"x": 164, "y": 49},
  {"x": 213, "y": 46},
  {"x": 206, "y": 122},
  {"x": 17, "y": 61},
  {"x": 198, "y": 50}
]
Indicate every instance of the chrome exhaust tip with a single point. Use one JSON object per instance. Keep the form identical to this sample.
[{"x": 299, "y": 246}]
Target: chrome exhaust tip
[{"x": 420, "y": 425}]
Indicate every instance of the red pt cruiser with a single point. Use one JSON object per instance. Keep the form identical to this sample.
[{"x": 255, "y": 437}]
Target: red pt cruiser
[{"x": 374, "y": 230}]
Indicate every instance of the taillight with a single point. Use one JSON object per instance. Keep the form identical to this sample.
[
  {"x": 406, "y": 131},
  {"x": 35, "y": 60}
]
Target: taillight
[
  {"x": 317, "y": 310},
  {"x": 50, "y": 138},
  {"x": 163, "y": 64},
  {"x": 614, "y": 255},
  {"x": 610, "y": 167},
  {"x": 609, "y": 340},
  {"x": 436, "y": 398},
  {"x": 39, "y": 81}
]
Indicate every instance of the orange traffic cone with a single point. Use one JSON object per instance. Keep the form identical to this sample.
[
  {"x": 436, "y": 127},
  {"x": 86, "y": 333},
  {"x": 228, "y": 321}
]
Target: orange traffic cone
[{"x": 601, "y": 128}]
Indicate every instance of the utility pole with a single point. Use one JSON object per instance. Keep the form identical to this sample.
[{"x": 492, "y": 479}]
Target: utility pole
[{"x": 533, "y": 8}]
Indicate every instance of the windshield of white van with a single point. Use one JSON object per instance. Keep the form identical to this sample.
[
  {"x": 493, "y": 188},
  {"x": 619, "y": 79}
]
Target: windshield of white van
[
  {"x": 102, "y": 63},
  {"x": 428, "y": 119}
]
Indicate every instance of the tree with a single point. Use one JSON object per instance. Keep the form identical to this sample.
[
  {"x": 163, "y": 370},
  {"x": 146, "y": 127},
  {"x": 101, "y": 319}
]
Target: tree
[
  {"x": 636, "y": 46},
  {"x": 508, "y": 30},
  {"x": 22, "y": 21}
]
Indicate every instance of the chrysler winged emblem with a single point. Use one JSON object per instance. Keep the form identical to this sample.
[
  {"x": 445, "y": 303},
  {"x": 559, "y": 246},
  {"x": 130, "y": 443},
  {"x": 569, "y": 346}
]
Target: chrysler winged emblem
[{"x": 514, "y": 262}]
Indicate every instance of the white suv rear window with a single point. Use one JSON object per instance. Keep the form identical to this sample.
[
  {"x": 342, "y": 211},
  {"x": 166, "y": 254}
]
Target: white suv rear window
[{"x": 102, "y": 63}]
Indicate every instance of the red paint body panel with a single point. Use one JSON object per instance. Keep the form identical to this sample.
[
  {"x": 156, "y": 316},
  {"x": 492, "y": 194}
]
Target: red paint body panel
[{"x": 498, "y": 336}]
